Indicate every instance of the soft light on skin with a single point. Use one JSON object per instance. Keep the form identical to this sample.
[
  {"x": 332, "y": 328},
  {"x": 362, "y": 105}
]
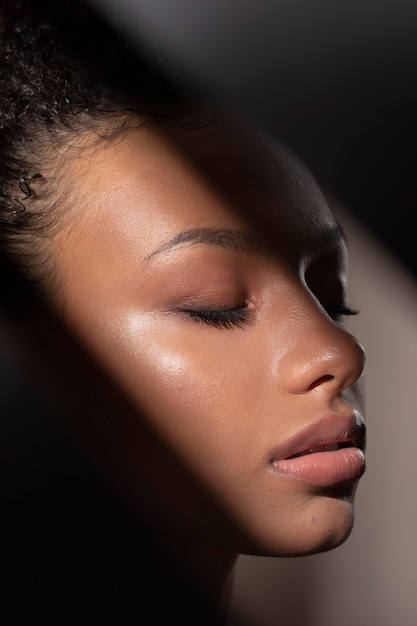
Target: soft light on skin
[{"x": 222, "y": 398}]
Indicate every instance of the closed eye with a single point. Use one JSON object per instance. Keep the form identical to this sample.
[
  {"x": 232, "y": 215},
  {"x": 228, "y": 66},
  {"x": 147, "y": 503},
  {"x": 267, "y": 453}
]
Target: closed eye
[
  {"x": 326, "y": 278},
  {"x": 338, "y": 312},
  {"x": 220, "y": 318}
]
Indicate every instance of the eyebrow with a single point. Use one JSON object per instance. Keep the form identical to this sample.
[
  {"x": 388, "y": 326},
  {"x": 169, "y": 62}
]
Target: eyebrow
[
  {"x": 243, "y": 242},
  {"x": 239, "y": 241}
]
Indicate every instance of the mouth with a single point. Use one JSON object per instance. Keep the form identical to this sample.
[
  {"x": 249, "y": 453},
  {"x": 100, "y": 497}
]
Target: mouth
[
  {"x": 324, "y": 454},
  {"x": 327, "y": 447}
]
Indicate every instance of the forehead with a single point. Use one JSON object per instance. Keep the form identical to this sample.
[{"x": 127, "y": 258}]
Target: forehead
[{"x": 157, "y": 182}]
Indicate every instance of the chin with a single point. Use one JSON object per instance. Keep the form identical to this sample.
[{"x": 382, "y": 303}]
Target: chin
[
  {"x": 322, "y": 541},
  {"x": 325, "y": 525},
  {"x": 319, "y": 526},
  {"x": 324, "y": 530}
]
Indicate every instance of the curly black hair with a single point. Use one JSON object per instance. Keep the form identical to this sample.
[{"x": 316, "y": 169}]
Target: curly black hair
[{"x": 64, "y": 72}]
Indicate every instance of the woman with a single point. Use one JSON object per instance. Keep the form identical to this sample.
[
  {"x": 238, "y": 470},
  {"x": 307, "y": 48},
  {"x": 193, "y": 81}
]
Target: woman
[{"x": 198, "y": 266}]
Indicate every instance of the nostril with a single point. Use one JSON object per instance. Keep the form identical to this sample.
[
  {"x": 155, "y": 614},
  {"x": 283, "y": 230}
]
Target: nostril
[{"x": 320, "y": 381}]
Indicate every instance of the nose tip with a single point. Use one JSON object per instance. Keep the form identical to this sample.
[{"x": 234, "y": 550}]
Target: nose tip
[
  {"x": 342, "y": 363},
  {"x": 331, "y": 359}
]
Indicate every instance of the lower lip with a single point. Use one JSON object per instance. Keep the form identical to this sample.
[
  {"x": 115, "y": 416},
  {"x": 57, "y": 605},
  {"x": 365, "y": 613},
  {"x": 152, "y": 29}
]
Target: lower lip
[{"x": 324, "y": 469}]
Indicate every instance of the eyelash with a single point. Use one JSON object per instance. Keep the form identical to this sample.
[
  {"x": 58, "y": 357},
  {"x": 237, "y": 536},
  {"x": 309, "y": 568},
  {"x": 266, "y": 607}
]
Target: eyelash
[
  {"x": 229, "y": 318},
  {"x": 238, "y": 316},
  {"x": 337, "y": 312}
]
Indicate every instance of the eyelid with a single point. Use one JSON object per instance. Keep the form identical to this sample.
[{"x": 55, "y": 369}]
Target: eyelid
[
  {"x": 339, "y": 311},
  {"x": 235, "y": 316}
]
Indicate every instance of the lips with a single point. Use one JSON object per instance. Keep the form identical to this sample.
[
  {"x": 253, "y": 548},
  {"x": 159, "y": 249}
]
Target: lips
[
  {"x": 329, "y": 447},
  {"x": 325, "y": 453}
]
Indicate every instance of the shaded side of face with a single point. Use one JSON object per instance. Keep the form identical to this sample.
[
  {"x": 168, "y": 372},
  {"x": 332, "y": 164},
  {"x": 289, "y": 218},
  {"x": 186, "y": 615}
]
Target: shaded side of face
[{"x": 204, "y": 272}]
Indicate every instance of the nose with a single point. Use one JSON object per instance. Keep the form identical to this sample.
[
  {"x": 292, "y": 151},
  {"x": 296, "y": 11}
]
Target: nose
[{"x": 322, "y": 354}]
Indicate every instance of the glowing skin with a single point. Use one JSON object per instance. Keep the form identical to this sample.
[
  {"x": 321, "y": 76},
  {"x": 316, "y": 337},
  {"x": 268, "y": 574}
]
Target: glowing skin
[{"x": 227, "y": 346}]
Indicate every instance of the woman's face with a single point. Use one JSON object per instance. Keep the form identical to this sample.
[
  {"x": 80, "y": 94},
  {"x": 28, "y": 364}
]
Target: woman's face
[{"x": 227, "y": 337}]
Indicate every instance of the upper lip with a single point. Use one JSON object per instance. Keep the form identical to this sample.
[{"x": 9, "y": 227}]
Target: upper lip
[{"x": 327, "y": 431}]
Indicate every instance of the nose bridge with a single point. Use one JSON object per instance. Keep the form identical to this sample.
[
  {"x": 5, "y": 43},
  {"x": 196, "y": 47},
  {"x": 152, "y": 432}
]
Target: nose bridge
[{"x": 321, "y": 353}]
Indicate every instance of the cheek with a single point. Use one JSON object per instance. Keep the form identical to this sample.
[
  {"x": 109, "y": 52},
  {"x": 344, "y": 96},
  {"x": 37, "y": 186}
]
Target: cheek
[{"x": 186, "y": 381}]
